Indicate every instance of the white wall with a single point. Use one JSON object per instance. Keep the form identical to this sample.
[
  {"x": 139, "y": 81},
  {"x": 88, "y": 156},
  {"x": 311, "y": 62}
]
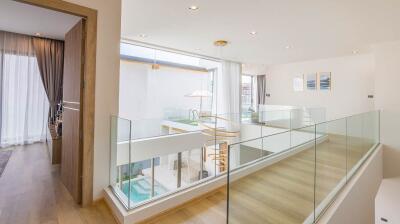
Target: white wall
[
  {"x": 107, "y": 75},
  {"x": 352, "y": 82},
  {"x": 147, "y": 94},
  {"x": 387, "y": 204},
  {"x": 387, "y": 98}
]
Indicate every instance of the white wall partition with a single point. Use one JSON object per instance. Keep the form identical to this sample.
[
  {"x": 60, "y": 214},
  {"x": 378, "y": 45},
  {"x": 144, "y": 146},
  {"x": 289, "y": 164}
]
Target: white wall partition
[
  {"x": 387, "y": 99},
  {"x": 147, "y": 93},
  {"x": 352, "y": 82},
  {"x": 107, "y": 76}
]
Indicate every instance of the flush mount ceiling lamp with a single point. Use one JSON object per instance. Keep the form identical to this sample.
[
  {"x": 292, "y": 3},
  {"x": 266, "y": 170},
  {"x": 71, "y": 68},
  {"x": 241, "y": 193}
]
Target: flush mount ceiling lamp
[
  {"x": 38, "y": 34},
  {"x": 220, "y": 43},
  {"x": 142, "y": 35},
  {"x": 253, "y": 33},
  {"x": 193, "y": 7},
  {"x": 288, "y": 47},
  {"x": 355, "y": 51}
]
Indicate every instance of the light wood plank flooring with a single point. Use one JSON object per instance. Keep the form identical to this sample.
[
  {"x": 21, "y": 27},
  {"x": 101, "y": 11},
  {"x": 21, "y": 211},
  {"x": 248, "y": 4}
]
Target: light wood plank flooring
[
  {"x": 281, "y": 193},
  {"x": 31, "y": 192}
]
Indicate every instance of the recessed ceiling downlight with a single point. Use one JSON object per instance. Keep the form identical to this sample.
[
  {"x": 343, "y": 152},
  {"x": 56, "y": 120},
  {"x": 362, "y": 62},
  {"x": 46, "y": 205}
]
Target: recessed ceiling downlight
[
  {"x": 142, "y": 35},
  {"x": 288, "y": 47},
  {"x": 253, "y": 32},
  {"x": 193, "y": 7}
]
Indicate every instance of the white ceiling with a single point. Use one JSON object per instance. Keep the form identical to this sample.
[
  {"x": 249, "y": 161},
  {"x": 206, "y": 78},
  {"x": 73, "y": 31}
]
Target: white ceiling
[
  {"x": 26, "y": 19},
  {"x": 312, "y": 28}
]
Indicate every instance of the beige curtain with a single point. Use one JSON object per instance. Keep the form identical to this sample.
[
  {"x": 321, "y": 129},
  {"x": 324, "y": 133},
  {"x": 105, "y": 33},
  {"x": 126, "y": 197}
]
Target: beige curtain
[{"x": 50, "y": 58}]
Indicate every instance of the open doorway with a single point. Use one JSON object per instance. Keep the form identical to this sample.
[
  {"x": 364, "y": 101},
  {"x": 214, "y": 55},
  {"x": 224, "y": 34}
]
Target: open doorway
[{"x": 43, "y": 97}]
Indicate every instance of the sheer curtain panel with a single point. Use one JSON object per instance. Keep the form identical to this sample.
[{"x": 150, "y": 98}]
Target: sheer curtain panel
[{"x": 24, "y": 105}]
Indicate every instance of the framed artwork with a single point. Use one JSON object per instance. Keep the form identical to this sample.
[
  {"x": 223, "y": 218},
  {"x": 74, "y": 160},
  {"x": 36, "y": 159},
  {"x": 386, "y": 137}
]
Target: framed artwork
[
  {"x": 298, "y": 83},
  {"x": 311, "y": 81},
  {"x": 325, "y": 81}
]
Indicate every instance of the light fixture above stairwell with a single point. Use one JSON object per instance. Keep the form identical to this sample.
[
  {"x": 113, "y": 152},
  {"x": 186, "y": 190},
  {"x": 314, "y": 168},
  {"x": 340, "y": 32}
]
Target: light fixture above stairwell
[
  {"x": 155, "y": 66},
  {"x": 220, "y": 43},
  {"x": 193, "y": 7}
]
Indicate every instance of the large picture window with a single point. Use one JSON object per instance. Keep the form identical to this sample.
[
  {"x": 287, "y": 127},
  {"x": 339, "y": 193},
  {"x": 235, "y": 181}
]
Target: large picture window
[
  {"x": 24, "y": 104},
  {"x": 248, "y": 93}
]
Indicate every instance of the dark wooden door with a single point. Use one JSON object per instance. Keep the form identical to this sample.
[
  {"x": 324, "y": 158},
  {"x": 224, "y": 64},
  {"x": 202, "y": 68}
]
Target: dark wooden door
[{"x": 71, "y": 157}]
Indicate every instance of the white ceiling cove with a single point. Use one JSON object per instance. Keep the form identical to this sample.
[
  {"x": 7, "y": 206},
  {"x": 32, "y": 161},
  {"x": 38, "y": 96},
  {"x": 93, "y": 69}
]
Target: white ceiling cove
[
  {"x": 310, "y": 28},
  {"x": 27, "y": 19}
]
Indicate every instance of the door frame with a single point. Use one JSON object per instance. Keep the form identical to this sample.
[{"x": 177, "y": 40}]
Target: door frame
[{"x": 88, "y": 100}]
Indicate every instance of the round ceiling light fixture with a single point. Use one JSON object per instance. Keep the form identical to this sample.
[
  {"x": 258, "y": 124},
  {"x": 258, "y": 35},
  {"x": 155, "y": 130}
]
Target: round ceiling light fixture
[
  {"x": 193, "y": 7},
  {"x": 355, "y": 51},
  {"x": 220, "y": 43},
  {"x": 142, "y": 35},
  {"x": 38, "y": 34},
  {"x": 253, "y": 33},
  {"x": 288, "y": 47}
]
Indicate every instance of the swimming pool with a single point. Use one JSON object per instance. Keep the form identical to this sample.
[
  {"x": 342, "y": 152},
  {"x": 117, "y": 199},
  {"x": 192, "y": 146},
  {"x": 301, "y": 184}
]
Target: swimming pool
[{"x": 141, "y": 189}]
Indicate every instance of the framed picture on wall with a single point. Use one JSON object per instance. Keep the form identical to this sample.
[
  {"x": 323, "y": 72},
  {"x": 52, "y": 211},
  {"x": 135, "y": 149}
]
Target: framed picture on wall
[
  {"x": 298, "y": 83},
  {"x": 311, "y": 81},
  {"x": 325, "y": 81}
]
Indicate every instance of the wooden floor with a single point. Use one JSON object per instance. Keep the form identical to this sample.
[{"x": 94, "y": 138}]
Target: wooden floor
[
  {"x": 281, "y": 193},
  {"x": 31, "y": 192}
]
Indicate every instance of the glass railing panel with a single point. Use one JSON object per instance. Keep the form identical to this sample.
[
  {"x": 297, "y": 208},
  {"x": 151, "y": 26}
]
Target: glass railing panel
[
  {"x": 191, "y": 169},
  {"x": 276, "y": 118},
  {"x": 363, "y": 135},
  {"x": 166, "y": 173},
  {"x": 227, "y": 131},
  {"x": 162, "y": 165},
  {"x": 315, "y": 115},
  {"x": 355, "y": 141},
  {"x": 149, "y": 128},
  {"x": 139, "y": 187},
  {"x": 276, "y": 143},
  {"x": 330, "y": 161},
  {"x": 370, "y": 128},
  {"x": 150, "y": 166},
  {"x": 267, "y": 186},
  {"x": 302, "y": 135},
  {"x": 120, "y": 157},
  {"x": 245, "y": 153}
]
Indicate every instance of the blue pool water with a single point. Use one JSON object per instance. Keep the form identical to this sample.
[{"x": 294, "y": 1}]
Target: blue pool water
[{"x": 141, "y": 189}]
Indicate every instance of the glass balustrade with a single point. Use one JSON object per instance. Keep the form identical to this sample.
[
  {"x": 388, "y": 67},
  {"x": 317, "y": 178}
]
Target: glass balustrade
[
  {"x": 281, "y": 166},
  {"x": 293, "y": 176}
]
